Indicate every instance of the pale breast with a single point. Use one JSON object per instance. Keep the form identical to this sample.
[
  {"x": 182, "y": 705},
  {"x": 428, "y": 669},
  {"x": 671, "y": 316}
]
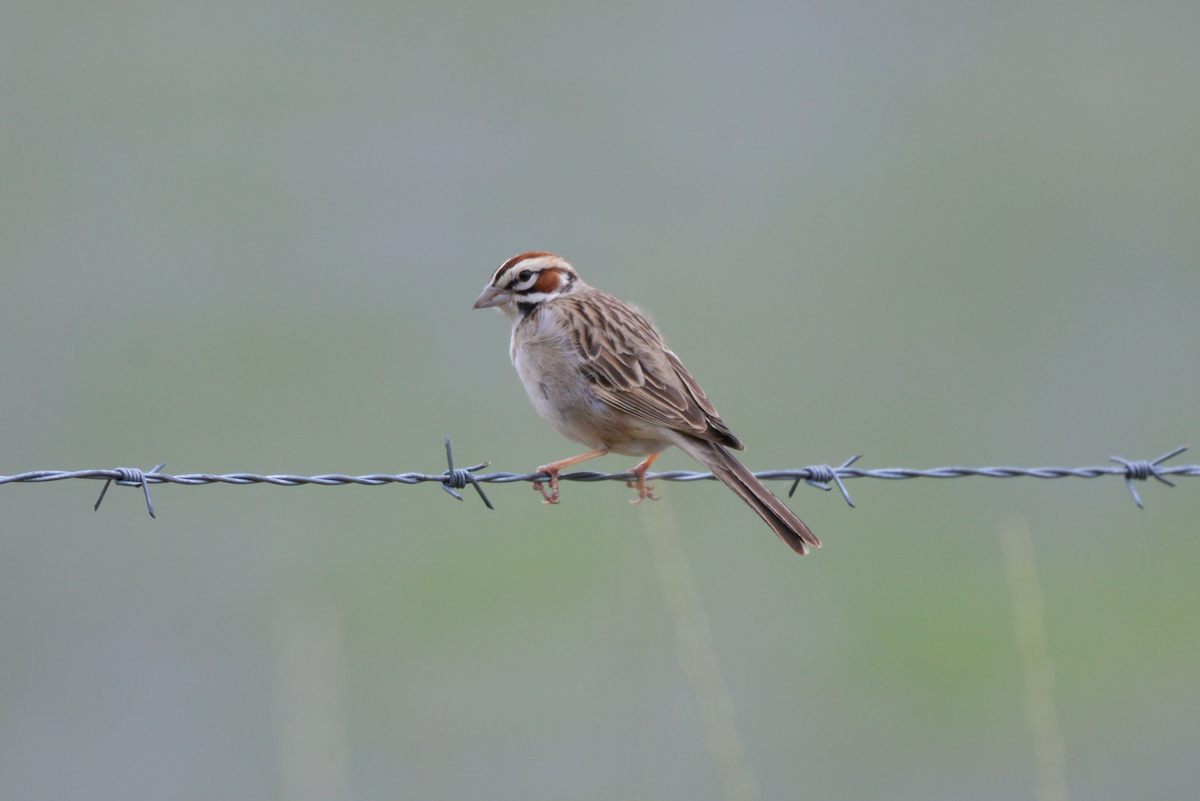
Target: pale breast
[
  {"x": 550, "y": 372},
  {"x": 550, "y": 369}
]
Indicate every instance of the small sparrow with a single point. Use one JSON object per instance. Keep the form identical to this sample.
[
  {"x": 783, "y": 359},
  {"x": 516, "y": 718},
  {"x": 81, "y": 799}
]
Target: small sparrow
[{"x": 601, "y": 375}]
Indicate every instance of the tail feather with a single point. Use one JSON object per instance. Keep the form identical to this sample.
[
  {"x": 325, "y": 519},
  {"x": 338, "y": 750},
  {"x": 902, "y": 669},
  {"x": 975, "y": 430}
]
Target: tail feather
[{"x": 734, "y": 475}]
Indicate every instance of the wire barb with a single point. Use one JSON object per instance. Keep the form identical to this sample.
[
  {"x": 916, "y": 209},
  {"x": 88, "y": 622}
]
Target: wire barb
[
  {"x": 820, "y": 476},
  {"x": 1140, "y": 471},
  {"x": 131, "y": 477},
  {"x": 457, "y": 479}
]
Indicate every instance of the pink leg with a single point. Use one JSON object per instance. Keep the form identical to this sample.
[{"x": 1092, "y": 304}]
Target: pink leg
[
  {"x": 554, "y": 467},
  {"x": 639, "y": 484}
]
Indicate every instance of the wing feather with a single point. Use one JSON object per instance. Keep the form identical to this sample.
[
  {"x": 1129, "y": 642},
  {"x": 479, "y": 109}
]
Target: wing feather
[{"x": 630, "y": 368}]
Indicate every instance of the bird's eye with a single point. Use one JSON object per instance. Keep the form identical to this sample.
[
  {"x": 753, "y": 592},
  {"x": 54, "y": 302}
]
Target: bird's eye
[{"x": 524, "y": 276}]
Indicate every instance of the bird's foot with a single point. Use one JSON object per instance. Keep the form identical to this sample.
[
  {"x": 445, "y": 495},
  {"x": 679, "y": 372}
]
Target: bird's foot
[
  {"x": 552, "y": 495},
  {"x": 644, "y": 491},
  {"x": 552, "y": 471},
  {"x": 639, "y": 483}
]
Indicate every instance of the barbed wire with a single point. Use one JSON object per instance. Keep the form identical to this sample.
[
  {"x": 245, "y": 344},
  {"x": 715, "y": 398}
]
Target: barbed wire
[{"x": 821, "y": 476}]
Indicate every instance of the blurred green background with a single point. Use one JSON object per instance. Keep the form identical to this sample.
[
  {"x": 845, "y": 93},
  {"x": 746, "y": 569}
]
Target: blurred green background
[{"x": 247, "y": 237}]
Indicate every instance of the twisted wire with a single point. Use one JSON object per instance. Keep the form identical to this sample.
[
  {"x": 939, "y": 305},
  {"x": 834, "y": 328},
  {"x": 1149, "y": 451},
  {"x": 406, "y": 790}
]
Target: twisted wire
[{"x": 821, "y": 476}]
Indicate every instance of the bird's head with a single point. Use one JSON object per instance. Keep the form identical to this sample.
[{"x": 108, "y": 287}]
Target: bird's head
[{"x": 523, "y": 283}]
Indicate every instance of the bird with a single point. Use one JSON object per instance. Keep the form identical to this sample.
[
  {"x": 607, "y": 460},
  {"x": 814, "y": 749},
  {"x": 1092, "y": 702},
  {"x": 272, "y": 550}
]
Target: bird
[{"x": 599, "y": 372}]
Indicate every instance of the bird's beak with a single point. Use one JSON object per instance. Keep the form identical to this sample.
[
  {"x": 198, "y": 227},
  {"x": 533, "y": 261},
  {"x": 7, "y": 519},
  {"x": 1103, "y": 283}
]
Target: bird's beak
[{"x": 492, "y": 297}]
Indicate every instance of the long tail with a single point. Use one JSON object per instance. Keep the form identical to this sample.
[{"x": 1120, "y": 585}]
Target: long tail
[{"x": 735, "y": 476}]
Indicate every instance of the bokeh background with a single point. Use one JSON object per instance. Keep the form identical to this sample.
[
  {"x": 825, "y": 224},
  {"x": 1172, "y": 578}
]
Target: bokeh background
[{"x": 247, "y": 236}]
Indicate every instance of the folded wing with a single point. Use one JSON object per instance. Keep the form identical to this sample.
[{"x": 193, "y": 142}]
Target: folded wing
[{"x": 630, "y": 368}]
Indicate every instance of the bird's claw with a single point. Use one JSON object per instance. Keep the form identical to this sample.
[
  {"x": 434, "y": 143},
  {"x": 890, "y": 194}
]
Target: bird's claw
[
  {"x": 551, "y": 496},
  {"x": 644, "y": 491}
]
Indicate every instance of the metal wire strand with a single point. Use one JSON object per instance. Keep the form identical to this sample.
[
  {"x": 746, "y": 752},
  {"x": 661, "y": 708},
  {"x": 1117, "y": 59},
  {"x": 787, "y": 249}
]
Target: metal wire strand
[{"x": 819, "y": 476}]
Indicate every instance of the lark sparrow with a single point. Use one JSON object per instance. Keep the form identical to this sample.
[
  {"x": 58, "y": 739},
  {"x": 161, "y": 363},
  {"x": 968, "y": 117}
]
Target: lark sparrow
[{"x": 600, "y": 374}]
